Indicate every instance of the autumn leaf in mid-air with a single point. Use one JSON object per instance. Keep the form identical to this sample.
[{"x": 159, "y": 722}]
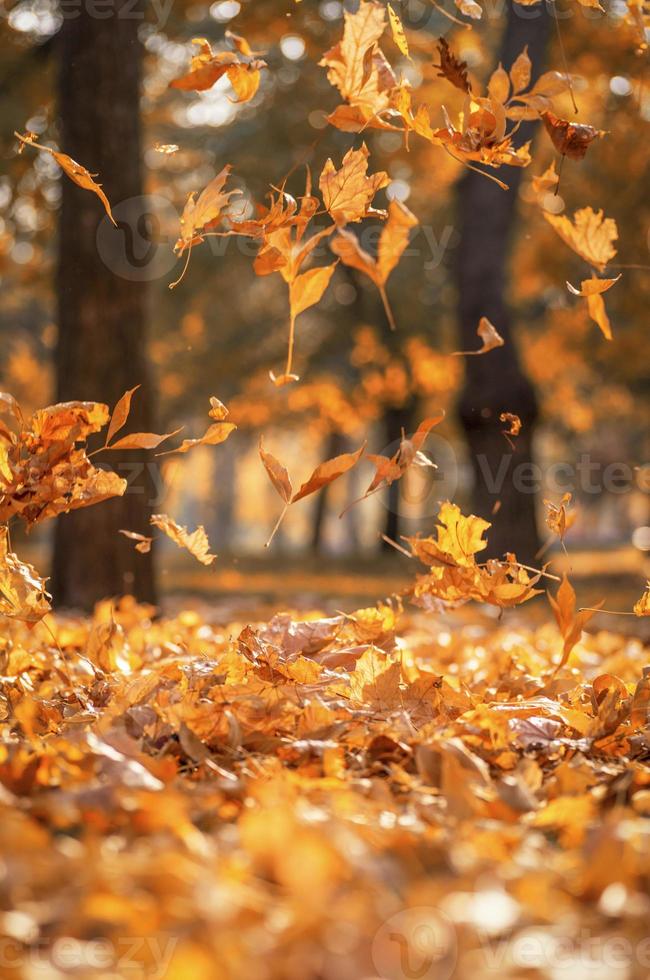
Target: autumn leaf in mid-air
[
  {"x": 570, "y": 139},
  {"x": 196, "y": 542},
  {"x": 570, "y": 623},
  {"x": 409, "y": 453},
  {"x": 490, "y": 337},
  {"x": 214, "y": 435},
  {"x": 204, "y": 212},
  {"x": 75, "y": 171},
  {"x": 397, "y": 30},
  {"x": 591, "y": 235},
  {"x": 592, "y": 290},
  {"x": 142, "y": 542},
  {"x": 136, "y": 440},
  {"x": 558, "y": 519},
  {"x": 348, "y": 192},
  {"x": 451, "y": 67},
  {"x": 393, "y": 240},
  {"x": 324, "y": 474},
  {"x": 22, "y": 591},
  {"x": 642, "y": 605},
  {"x": 480, "y": 135},
  {"x": 207, "y": 67},
  {"x": 358, "y": 68}
]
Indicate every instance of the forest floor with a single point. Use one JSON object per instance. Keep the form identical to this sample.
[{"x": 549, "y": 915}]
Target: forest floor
[{"x": 234, "y": 791}]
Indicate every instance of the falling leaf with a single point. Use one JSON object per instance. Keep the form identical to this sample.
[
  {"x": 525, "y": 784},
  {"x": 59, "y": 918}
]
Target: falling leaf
[
  {"x": 348, "y": 192},
  {"x": 143, "y": 544},
  {"x": 592, "y": 289},
  {"x": 546, "y": 182},
  {"x": 277, "y": 473},
  {"x": 392, "y": 242},
  {"x": 520, "y": 72},
  {"x": 75, "y": 171},
  {"x": 142, "y": 440},
  {"x": 204, "y": 213},
  {"x": 196, "y": 542},
  {"x": 120, "y": 414},
  {"x": 514, "y": 423},
  {"x": 490, "y": 337},
  {"x": 557, "y": 518},
  {"x": 168, "y": 149},
  {"x": 207, "y": 68},
  {"x": 570, "y": 623},
  {"x": 397, "y": 30},
  {"x": 590, "y": 235},
  {"x": 323, "y": 475},
  {"x": 642, "y": 605},
  {"x": 213, "y": 436},
  {"x": 451, "y": 67},
  {"x": 570, "y": 139}
]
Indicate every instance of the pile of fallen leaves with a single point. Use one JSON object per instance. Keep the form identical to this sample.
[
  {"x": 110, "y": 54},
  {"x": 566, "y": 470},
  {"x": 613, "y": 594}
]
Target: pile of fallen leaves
[{"x": 333, "y": 797}]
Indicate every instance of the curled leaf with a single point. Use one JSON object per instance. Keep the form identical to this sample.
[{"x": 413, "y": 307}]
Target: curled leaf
[
  {"x": 196, "y": 542},
  {"x": 490, "y": 337}
]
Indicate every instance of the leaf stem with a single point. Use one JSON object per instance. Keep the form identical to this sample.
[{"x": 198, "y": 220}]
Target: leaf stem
[
  {"x": 387, "y": 309},
  {"x": 277, "y": 523}
]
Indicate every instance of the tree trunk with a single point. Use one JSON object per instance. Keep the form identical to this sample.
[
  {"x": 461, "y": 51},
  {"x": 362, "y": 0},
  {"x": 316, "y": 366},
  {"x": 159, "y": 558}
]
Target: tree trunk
[
  {"x": 101, "y": 315},
  {"x": 496, "y": 382}
]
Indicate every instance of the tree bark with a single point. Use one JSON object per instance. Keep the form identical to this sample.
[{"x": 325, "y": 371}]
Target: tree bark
[
  {"x": 496, "y": 382},
  {"x": 101, "y": 315}
]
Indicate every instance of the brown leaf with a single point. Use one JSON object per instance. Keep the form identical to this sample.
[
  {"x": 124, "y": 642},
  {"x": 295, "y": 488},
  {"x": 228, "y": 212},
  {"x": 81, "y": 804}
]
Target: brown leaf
[
  {"x": 143, "y": 543},
  {"x": 570, "y": 139},
  {"x": 277, "y": 473},
  {"x": 203, "y": 213},
  {"x": 490, "y": 337},
  {"x": 397, "y": 30},
  {"x": 327, "y": 472},
  {"x": 120, "y": 413},
  {"x": 590, "y": 235},
  {"x": 75, "y": 171},
  {"x": 348, "y": 192},
  {"x": 142, "y": 440},
  {"x": 22, "y": 590},
  {"x": 451, "y": 67},
  {"x": 207, "y": 68},
  {"x": 592, "y": 289},
  {"x": 196, "y": 542},
  {"x": 213, "y": 436}
]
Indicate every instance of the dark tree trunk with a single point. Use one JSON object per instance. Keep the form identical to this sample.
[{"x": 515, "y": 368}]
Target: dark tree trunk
[
  {"x": 495, "y": 382},
  {"x": 101, "y": 349}
]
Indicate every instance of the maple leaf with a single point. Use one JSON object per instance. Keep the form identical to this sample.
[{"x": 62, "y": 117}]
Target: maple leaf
[
  {"x": 348, "y": 192},
  {"x": 393, "y": 240},
  {"x": 451, "y": 67},
  {"x": 203, "y": 213},
  {"x": 357, "y": 67},
  {"x": 570, "y": 623},
  {"x": 458, "y": 538},
  {"x": 590, "y": 235},
  {"x": 592, "y": 289},
  {"x": 207, "y": 68},
  {"x": 75, "y": 171},
  {"x": 196, "y": 542},
  {"x": 22, "y": 591},
  {"x": 490, "y": 337},
  {"x": 570, "y": 139},
  {"x": 324, "y": 474}
]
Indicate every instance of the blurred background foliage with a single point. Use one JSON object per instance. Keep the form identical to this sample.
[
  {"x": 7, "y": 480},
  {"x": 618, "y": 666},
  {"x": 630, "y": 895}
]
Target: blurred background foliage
[{"x": 222, "y": 329}]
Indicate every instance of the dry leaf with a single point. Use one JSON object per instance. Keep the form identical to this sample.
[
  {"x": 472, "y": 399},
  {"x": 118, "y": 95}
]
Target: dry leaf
[
  {"x": 347, "y": 193},
  {"x": 570, "y": 139},
  {"x": 143, "y": 543},
  {"x": 490, "y": 337},
  {"x": 22, "y": 591},
  {"x": 207, "y": 68},
  {"x": 451, "y": 67},
  {"x": 196, "y": 542},
  {"x": 397, "y": 30},
  {"x": 590, "y": 235},
  {"x": 570, "y": 623},
  {"x": 75, "y": 171},
  {"x": 592, "y": 289},
  {"x": 277, "y": 473},
  {"x": 642, "y": 605}
]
